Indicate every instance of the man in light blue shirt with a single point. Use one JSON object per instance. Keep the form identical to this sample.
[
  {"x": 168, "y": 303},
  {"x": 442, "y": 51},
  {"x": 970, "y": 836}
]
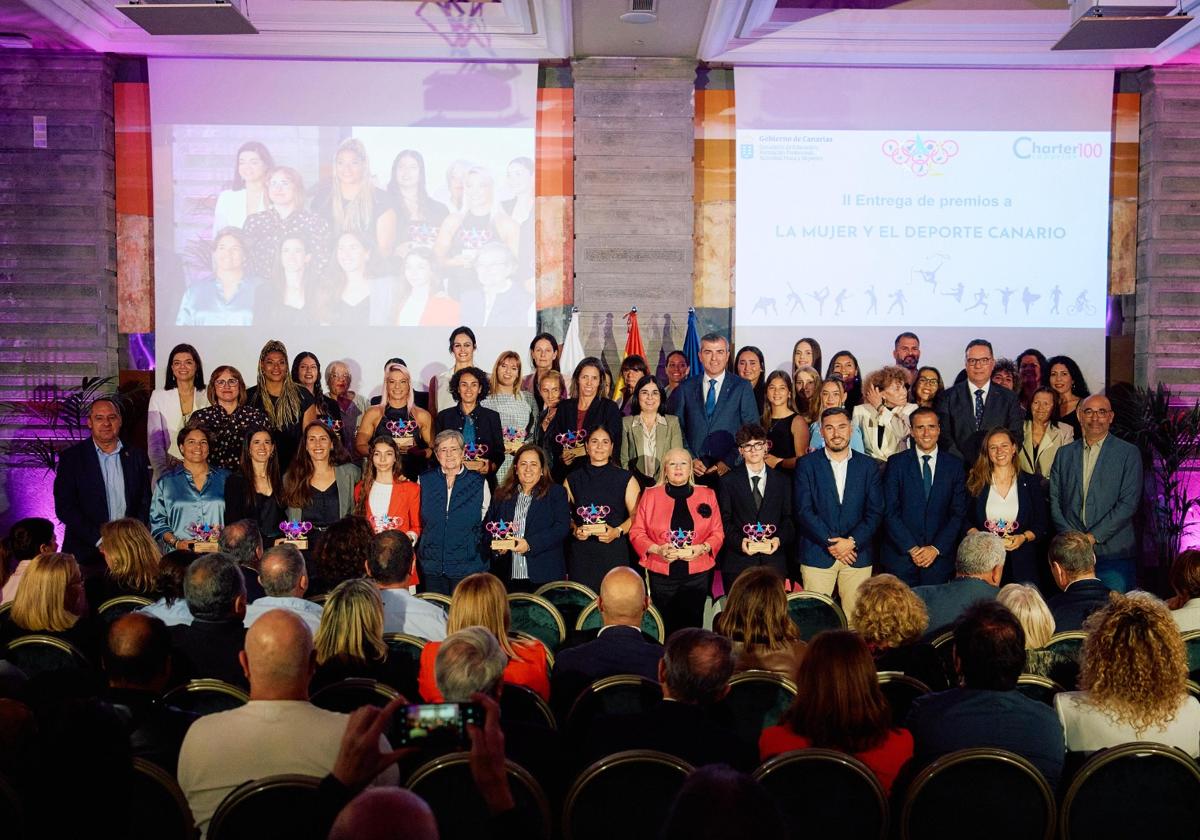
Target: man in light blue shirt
[
  {"x": 285, "y": 580},
  {"x": 389, "y": 566}
]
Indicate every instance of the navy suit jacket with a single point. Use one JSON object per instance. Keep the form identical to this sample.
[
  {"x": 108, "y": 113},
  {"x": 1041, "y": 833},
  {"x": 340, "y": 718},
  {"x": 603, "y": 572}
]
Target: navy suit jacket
[
  {"x": 914, "y": 521},
  {"x": 711, "y": 439},
  {"x": 546, "y": 527},
  {"x": 80, "y": 502},
  {"x": 616, "y": 650},
  {"x": 1021, "y": 565},
  {"x": 956, "y": 413},
  {"x": 819, "y": 515},
  {"x": 1113, "y": 495},
  {"x": 945, "y": 602},
  {"x": 1073, "y": 605}
]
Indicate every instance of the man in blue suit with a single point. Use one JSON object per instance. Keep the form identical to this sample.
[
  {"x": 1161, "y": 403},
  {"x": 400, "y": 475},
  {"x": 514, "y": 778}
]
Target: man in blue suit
[
  {"x": 1095, "y": 488},
  {"x": 973, "y": 407},
  {"x": 711, "y": 408},
  {"x": 926, "y": 496},
  {"x": 99, "y": 480},
  {"x": 839, "y": 503}
]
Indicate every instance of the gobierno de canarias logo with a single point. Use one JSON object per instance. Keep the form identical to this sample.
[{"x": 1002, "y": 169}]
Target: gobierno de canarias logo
[{"x": 920, "y": 155}]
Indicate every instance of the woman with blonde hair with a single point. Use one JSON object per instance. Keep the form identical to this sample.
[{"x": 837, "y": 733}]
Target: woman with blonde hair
[
  {"x": 1134, "y": 680},
  {"x": 1026, "y": 603},
  {"x": 352, "y": 204},
  {"x": 131, "y": 558},
  {"x": 480, "y": 600},
  {"x": 756, "y": 620},
  {"x": 516, "y": 408},
  {"x": 349, "y": 641},
  {"x": 892, "y": 620},
  {"x": 50, "y": 600}
]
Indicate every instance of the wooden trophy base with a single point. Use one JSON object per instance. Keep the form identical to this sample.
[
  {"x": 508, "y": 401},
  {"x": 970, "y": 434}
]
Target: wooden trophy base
[
  {"x": 503, "y": 545},
  {"x": 576, "y": 451},
  {"x": 758, "y": 548},
  {"x": 594, "y": 529},
  {"x": 511, "y": 447},
  {"x": 301, "y": 543},
  {"x": 202, "y": 547},
  {"x": 475, "y": 464},
  {"x": 404, "y": 442}
]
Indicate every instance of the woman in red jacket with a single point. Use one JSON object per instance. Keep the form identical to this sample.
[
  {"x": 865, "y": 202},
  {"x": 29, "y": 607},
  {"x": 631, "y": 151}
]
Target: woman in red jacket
[
  {"x": 388, "y": 500},
  {"x": 677, "y": 533}
]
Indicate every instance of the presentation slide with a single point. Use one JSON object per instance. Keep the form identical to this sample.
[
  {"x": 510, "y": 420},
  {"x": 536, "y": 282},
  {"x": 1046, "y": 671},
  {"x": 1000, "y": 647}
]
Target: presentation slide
[
  {"x": 358, "y": 211},
  {"x": 936, "y": 211}
]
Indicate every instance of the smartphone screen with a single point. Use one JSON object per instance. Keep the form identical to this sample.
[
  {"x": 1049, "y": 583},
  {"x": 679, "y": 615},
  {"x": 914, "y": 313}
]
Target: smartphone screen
[{"x": 444, "y": 724}]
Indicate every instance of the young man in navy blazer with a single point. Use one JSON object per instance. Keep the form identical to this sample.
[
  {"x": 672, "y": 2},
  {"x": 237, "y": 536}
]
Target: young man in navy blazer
[
  {"x": 925, "y": 492},
  {"x": 838, "y": 500},
  {"x": 711, "y": 408},
  {"x": 752, "y": 494},
  {"x": 99, "y": 480}
]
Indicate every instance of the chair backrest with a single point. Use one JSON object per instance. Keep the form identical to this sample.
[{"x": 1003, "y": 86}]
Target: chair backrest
[
  {"x": 528, "y": 638},
  {"x": 158, "y": 808},
  {"x": 318, "y": 599},
  {"x": 756, "y": 700},
  {"x": 569, "y": 597},
  {"x": 900, "y": 690},
  {"x": 523, "y": 704},
  {"x": 1191, "y": 641},
  {"x": 5, "y": 608},
  {"x": 1134, "y": 790},
  {"x": 405, "y": 645},
  {"x": 825, "y": 793},
  {"x": 1037, "y": 687},
  {"x": 354, "y": 693},
  {"x": 652, "y": 621},
  {"x": 204, "y": 697},
  {"x": 813, "y": 612},
  {"x": 36, "y": 654},
  {"x": 643, "y": 782},
  {"x": 12, "y": 811},
  {"x": 536, "y": 616},
  {"x": 114, "y": 608},
  {"x": 943, "y": 644},
  {"x": 943, "y": 801},
  {"x": 1067, "y": 648},
  {"x": 623, "y": 694},
  {"x": 274, "y": 806},
  {"x": 438, "y": 598},
  {"x": 447, "y": 786}
]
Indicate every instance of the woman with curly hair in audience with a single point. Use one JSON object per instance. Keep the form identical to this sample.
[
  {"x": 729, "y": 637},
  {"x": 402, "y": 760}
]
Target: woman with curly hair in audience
[
  {"x": 756, "y": 620},
  {"x": 1134, "y": 681},
  {"x": 349, "y": 642},
  {"x": 1185, "y": 582},
  {"x": 892, "y": 620},
  {"x": 340, "y": 554},
  {"x": 481, "y": 600},
  {"x": 131, "y": 559},
  {"x": 839, "y": 706},
  {"x": 50, "y": 601}
]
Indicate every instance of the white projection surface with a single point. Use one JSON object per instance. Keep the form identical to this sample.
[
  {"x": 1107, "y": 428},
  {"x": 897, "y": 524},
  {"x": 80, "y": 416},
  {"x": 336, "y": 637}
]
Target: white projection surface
[
  {"x": 952, "y": 203},
  {"x": 382, "y": 251}
]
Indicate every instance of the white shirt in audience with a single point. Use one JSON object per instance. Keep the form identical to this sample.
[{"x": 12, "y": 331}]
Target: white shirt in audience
[
  {"x": 406, "y": 613},
  {"x": 308, "y": 610},
  {"x": 1088, "y": 728},
  {"x": 177, "y": 613},
  {"x": 1188, "y": 616}
]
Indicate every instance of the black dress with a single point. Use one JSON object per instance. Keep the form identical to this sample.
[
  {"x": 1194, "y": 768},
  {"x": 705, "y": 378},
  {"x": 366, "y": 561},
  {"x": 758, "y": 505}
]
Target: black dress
[
  {"x": 783, "y": 444},
  {"x": 412, "y": 464},
  {"x": 588, "y": 561},
  {"x": 266, "y": 511},
  {"x": 323, "y": 509}
]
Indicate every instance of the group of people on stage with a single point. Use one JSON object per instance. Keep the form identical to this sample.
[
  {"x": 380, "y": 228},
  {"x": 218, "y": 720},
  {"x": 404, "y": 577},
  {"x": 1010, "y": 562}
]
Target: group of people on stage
[
  {"x": 351, "y": 253},
  {"x": 825, "y": 480}
]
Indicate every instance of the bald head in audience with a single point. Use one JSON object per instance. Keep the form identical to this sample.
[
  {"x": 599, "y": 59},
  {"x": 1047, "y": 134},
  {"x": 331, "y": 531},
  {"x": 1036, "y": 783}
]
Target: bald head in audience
[
  {"x": 278, "y": 658},
  {"x": 283, "y": 572},
  {"x": 385, "y": 814},
  {"x": 137, "y": 653},
  {"x": 623, "y": 597}
]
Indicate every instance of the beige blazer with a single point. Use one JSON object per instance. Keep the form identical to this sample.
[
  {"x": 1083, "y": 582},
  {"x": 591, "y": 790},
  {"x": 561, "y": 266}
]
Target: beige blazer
[
  {"x": 633, "y": 443},
  {"x": 1057, "y": 436},
  {"x": 896, "y": 430}
]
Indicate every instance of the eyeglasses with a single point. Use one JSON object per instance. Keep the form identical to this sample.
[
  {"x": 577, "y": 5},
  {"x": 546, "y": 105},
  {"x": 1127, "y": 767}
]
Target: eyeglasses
[
  {"x": 1095, "y": 412},
  {"x": 448, "y": 451},
  {"x": 755, "y": 446},
  {"x": 227, "y": 383},
  {"x": 927, "y": 380},
  {"x": 982, "y": 360}
]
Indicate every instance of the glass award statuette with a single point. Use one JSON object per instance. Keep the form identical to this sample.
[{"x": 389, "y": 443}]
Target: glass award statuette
[{"x": 295, "y": 532}]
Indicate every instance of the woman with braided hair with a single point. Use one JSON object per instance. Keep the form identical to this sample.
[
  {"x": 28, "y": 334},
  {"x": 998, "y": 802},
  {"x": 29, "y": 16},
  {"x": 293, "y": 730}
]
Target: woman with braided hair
[{"x": 289, "y": 407}]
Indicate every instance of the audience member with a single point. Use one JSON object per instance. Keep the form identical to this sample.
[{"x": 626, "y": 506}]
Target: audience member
[
  {"x": 892, "y": 621},
  {"x": 171, "y": 607},
  {"x": 756, "y": 620},
  {"x": 284, "y": 579},
  {"x": 340, "y": 554},
  {"x": 987, "y": 711},
  {"x": 979, "y": 567},
  {"x": 242, "y": 540},
  {"x": 390, "y": 566},
  {"x": 131, "y": 563},
  {"x": 754, "y": 494},
  {"x": 1095, "y": 488},
  {"x": 99, "y": 480},
  {"x": 839, "y": 505},
  {"x": 924, "y": 491},
  {"x": 1073, "y": 565},
  {"x": 720, "y": 803},
  {"x": 378, "y": 813},
  {"x": 50, "y": 600},
  {"x": 711, "y": 408},
  {"x": 1025, "y": 602},
  {"x": 349, "y": 643},
  {"x": 137, "y": 666},
  {"x": 1185, "y": 582},
  {"x": 216, "y": 596},
  {"x": 839, "y": 706},
  {"x": 967, "y": 410},
  {"x": 26, "y": 539},
  {"x": 278, "y": 731},
  {"x": 1134, "y": 681}
]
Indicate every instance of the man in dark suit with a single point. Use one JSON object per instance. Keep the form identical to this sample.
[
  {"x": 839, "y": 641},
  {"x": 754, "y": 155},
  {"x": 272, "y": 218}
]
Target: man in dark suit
[
  {"x": 980, "y": 565},
  {"x": 974, "y": 406},
  {"x": 208, "y": 647},
  {"x": 711, "y": 408},
  {"x": 754, "y": 494},
  {"x": 925, "y": 491},
  {"x": 619, "y": 648},
  {"x": 987, "y": 711},
  {"x": 1073, "y": 566},
  {"x": 838, "y": 500},
  {"x": 99, "y": 480},
  {"x": 694, "y": 672},
  {"x": 1095, "y": 488}
]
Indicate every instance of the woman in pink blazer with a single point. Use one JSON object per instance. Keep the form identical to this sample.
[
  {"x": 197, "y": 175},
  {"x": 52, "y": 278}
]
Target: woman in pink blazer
[{"x": 677, "y": 533}]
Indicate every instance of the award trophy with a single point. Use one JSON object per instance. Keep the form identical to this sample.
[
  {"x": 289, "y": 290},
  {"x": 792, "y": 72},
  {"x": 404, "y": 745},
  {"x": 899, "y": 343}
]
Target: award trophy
[
  {"x": 593, "y": 517},
  {"x": 572, "y": 442},
  {"x": 759, "y": 536},
  {"x": 502, "y": 535},
  {"x": 204, "y": 537},
  {"x": 295, "y": 533}
]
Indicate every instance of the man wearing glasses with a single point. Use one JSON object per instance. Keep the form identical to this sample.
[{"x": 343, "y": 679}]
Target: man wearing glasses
[
  {"x": 1095, "y": 487},
  {"x": 969, "y": 410},
  {"x": 753, "y": 494}
]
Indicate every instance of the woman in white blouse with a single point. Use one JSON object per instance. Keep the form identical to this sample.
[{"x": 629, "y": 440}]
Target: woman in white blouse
[
  {"x": 172, "y": 406},
  {"x": 249, "y": 192},
  {"x": 884, "y": 412},
  {"x": 1134, "y": 680}
]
